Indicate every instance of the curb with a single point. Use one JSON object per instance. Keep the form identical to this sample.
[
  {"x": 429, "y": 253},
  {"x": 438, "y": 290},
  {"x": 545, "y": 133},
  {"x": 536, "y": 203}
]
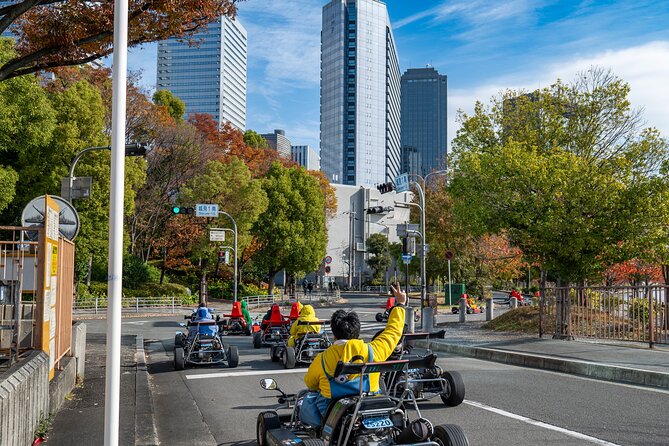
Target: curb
[
  {"x": 606, "y": 372},
  {"x": 145, "y": 423}
]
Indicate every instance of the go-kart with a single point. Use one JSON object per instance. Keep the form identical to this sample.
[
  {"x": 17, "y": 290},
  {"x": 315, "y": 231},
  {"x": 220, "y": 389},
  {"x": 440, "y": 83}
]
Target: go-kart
[
  {"x": 355, "y": 420},
  {"x": 424, "y": 378},
  {"x": 383, "y": 317},
  {"x": 273, "y": 332},
  {"x": 472, "y": 307},
  {"x": 203, "y": 345},
  {"x": 306, "y": 347},
  {"x": 235, "y": 324}
]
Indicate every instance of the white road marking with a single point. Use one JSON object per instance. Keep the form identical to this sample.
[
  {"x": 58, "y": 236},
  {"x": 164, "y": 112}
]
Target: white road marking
[
  {"x": 541, "y": 424},
  {"x": 135, "y": 322},
  {"x": 246, "y": 373}
]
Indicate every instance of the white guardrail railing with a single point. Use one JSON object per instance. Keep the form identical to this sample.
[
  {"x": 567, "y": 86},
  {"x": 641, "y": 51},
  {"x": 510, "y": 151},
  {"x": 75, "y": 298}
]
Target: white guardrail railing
[
  {"x": 97, "y": 305},
  {"x": 255, "y": 302}
]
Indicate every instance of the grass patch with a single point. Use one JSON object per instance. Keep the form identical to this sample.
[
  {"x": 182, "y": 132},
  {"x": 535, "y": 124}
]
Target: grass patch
[{"x": 521, "y": 319}]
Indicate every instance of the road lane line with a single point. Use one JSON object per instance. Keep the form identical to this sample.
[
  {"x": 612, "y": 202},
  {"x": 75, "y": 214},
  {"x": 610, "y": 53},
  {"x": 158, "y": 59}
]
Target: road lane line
[
  {"x": 247, "y": 373},
  {"x": 538, "y": 423}
]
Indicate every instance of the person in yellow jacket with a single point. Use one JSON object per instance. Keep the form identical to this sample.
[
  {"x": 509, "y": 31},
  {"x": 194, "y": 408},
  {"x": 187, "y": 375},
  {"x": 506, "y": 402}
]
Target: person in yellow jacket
[
  {"x": 308, "y": 314},
  {"x": 345, "y": 328}
]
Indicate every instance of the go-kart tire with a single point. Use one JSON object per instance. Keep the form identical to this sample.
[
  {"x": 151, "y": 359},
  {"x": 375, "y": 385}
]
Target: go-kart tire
[
  {"x": 289, "y": 358},
  {"x": 233, "y": 356},
  {"x": 379, "y": 317},
  {"x": 257, "y": 340},
  {"x": 450, "y": 435},
  {"x": 455, "y": 392},
  {"x": 312, "y": 442},
  {"x": 179, "y": 359},
  {"x": 469, "y": 311},
  {"x": 275, "y": 354},
  {"x": 247, "y": 332},
  {"x": 178, "y": 340},
  {"x": 454, "y": 310},
  {"x": 266, "y": 421}
]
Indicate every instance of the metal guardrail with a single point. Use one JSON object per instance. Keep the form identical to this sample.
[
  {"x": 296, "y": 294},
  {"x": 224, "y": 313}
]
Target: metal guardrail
[
  {"x": 259, "y": 301},
  {"x": 619, "y": 313},
  {"x": 97, "y": 305},
  {"x": 414, "y": 289}
]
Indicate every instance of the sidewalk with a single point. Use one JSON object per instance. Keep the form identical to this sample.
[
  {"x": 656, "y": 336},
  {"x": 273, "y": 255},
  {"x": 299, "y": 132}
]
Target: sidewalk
[
  {"x": 81, "y": 418},
  {"x": 629, "y": 363}
]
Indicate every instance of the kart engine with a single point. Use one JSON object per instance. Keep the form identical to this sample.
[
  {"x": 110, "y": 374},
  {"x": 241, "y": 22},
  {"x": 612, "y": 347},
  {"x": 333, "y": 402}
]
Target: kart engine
[
  {"x": 236, "y": 326},
  {"x": 383, "y": 437}
]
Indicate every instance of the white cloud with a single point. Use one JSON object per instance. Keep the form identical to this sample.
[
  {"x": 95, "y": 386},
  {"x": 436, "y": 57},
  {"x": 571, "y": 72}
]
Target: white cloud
[{"x": 644, "y": 67}]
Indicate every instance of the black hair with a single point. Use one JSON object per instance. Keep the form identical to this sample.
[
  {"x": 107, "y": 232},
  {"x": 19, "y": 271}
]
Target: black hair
[
  {"x": 345, "y": 324},
  {"x": 202, "y": 305}
]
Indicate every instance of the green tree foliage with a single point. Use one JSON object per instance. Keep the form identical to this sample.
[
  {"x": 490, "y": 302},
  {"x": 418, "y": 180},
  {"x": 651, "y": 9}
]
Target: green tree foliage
[
  {"x": 292, "y": 232},
  {"x": 253, "y": 139},
  {"x": 565, "y": 170},
  {"x": 175, "y": 106},
  {"x": 231, "y": 186},
  {"x": 8, "y": 179},
  {"x": 378, "y": 246}
]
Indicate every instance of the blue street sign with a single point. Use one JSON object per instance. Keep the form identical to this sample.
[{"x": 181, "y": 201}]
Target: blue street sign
[
  {"x": 406, "y": 258},
  {"x": 206, "y": 210},
  {"x": 402, "y": 183}
]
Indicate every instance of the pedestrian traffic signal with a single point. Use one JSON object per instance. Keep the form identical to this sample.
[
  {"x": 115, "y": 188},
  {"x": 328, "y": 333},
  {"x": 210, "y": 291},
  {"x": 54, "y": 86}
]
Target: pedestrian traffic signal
[
  {"x": 384, "y": 188},
  {"x": 183, "y": 210}
]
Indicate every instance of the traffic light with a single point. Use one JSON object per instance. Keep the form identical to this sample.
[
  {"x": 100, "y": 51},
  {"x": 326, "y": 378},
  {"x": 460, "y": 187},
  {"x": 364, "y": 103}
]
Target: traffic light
[
  {"x": 384, "y": 188},
  {"x": 380, "y": 209},
  {"x": 183, "y": 210}
]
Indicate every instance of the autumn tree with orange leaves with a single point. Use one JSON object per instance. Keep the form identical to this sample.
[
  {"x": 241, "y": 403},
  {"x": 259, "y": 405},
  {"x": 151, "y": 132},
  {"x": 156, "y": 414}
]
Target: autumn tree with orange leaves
[{"x": 56, "y": 33}]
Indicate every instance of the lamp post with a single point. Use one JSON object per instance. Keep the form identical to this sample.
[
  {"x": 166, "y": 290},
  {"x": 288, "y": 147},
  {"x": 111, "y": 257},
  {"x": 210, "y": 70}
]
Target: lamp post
[
  {"x": 234, "y": 225},
  {"x": 135, "y": 149}
]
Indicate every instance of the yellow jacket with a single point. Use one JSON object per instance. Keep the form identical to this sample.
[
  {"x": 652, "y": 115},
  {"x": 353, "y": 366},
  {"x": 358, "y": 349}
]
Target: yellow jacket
[
  {"x": 344, "y": 350},
  {"x": 307, "y": 313}
]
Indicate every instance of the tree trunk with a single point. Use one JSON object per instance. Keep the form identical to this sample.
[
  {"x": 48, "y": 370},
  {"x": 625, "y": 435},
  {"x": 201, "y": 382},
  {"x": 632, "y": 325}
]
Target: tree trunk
[
  {"x": 162, "y": 271},
  {"x": 270, "y": 285}
]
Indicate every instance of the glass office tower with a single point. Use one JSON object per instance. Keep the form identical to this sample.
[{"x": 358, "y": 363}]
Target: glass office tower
[
  {"x": 360, "y": 94},
  {"x": 210, "y": 77},
  {"x": 423, "y": 120}
]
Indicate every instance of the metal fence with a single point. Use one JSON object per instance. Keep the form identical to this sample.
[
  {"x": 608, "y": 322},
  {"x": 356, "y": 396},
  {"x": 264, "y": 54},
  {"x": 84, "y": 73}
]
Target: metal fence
[
  {"x": 617, "y": 313},
  {"x": 170, "y": 304},
  {"x": 255, "y": 302}
]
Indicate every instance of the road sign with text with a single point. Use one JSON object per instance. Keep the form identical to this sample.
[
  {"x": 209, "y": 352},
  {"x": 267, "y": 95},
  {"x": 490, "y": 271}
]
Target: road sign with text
[
  {"x": 402, "y": 183},
  {"x": 206, "y": 210}
]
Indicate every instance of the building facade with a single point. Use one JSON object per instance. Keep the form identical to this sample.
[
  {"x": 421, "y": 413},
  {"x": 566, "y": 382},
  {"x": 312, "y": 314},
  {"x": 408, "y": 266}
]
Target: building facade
[
  {"x": 279, "y": 142},
  {"x": 360, "y": 94},
  {"x": 424, "y": 118},
  {"x": 306, "y": 157},
  {"x": 210, "y": 77}
]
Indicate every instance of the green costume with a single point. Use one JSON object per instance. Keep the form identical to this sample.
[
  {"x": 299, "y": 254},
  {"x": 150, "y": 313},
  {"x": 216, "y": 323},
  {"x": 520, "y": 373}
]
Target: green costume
[{"x": 245, "y": 312}]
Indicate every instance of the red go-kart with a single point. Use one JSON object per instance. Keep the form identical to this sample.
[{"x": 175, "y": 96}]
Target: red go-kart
[
  {"x": 273, "y": 332},
  {"x": 236, "y": 324}
]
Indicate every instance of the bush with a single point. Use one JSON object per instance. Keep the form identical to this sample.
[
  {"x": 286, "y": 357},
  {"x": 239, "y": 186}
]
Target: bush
[
  {"x": 135, "y": 272},
  {"x": 154, "y": 274}
]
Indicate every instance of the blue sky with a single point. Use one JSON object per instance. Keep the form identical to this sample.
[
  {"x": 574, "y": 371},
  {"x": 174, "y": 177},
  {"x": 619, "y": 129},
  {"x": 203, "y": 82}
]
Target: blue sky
[{"x": 483, "y": 46}]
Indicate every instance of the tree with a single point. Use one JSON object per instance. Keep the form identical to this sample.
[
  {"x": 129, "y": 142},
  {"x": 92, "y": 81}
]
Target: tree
[
  {"x": 292, "y": 232},
  {"x": 8, "y": 179},
  {"x": 378, "y": 246},
  {"x": 175, "y": 106},
  {"x": 253, "y": 139},
  {"x": 563, "y": 170},
  {"x": 44, "y": 42}
]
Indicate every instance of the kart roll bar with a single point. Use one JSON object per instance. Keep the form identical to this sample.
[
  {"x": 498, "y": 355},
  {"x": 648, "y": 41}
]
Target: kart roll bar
[
  {"x": 363, "y": 368},
  {"x": 313, "y": 322},
  {"x": 434, "y": 335}
]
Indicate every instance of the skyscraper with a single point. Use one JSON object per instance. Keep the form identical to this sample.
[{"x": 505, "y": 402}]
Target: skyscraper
[
  {"x": 360, "y": 94},
  {"x": 423, "y": 120},
  {"x": 278, "y": 142},
  {"x": 306, "y": 157},
  {"x": 211, "y": 77}
]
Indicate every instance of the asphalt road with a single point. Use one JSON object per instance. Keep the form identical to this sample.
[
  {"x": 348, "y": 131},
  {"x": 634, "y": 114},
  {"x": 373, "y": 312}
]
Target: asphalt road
[{"x": 504, "y": 405}]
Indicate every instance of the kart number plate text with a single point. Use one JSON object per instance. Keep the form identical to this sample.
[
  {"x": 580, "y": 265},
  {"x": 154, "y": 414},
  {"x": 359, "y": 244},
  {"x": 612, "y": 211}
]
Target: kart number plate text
[{"x": 377, "y": 423}]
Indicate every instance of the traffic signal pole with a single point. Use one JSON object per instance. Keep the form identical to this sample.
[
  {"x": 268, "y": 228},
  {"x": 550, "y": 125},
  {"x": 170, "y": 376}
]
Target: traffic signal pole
[{"x": 234, "y": 225}]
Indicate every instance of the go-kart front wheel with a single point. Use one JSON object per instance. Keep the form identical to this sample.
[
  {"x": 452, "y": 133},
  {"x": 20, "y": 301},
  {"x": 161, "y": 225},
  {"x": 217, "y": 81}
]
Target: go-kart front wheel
[
  {"x": 379, "y": 317},
  {"x": 233, "y": 356},
  {"x": 266, "y": 421},
  {"x": 289, "y": 358},
  {"x": 179, "y": 359},
  {"x": 179, "y": 340},
  {"x": 257, "y": 339},
  {"x": 454, "y": 393},
  {"x": 275, "y": 354},
  {"x": 449, "y": 435}
]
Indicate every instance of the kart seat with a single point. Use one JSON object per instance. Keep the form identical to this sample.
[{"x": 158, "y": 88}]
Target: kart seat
[
  {"x": 294, "y": 311},
  {"x": 276, "y": 318},
  {"x": 236, "y": 311},
  {"x": 377, "y": 402}
]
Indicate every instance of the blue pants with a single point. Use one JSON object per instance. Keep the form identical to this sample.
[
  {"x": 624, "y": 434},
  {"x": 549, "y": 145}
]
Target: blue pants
[{"x": 314, "y": 406}]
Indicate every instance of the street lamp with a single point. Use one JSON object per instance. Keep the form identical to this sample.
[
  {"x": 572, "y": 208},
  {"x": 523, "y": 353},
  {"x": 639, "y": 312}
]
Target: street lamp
[
  {"x": 134, "y": 149},
  {"x": 234, "y": 226}
]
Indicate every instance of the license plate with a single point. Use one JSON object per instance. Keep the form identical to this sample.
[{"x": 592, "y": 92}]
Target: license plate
[{"x": 377, "y": 423}]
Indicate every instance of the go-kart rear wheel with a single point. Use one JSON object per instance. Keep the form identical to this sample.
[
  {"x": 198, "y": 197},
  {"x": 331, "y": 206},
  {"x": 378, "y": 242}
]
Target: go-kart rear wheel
[
  {"x": 454, "y": 393},
  {"x": 275, "y": 354},
  {"x": 233, "y": 356},
  {"x": 179, "y": 359},
  {"x": 257, "y": 340},
  {"x": 289, "y": 358},
  {"x": 179, "y": 340},
  {"x": 247, "y": 331},
  {"x": 449, "y": 435},
  {"x": 379, "y": 317},
  {"x": 266, "y": 421}
]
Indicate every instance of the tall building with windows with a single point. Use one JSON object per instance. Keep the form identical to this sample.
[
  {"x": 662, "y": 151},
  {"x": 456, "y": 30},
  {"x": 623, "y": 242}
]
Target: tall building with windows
[
  {"x": 279, "y": 142},
  {"x": 306, "y": 157},
  {"x": 360, "y": 94},
  {"x": 210, "y": 77},
  {"x": 423, "y": 120}
]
